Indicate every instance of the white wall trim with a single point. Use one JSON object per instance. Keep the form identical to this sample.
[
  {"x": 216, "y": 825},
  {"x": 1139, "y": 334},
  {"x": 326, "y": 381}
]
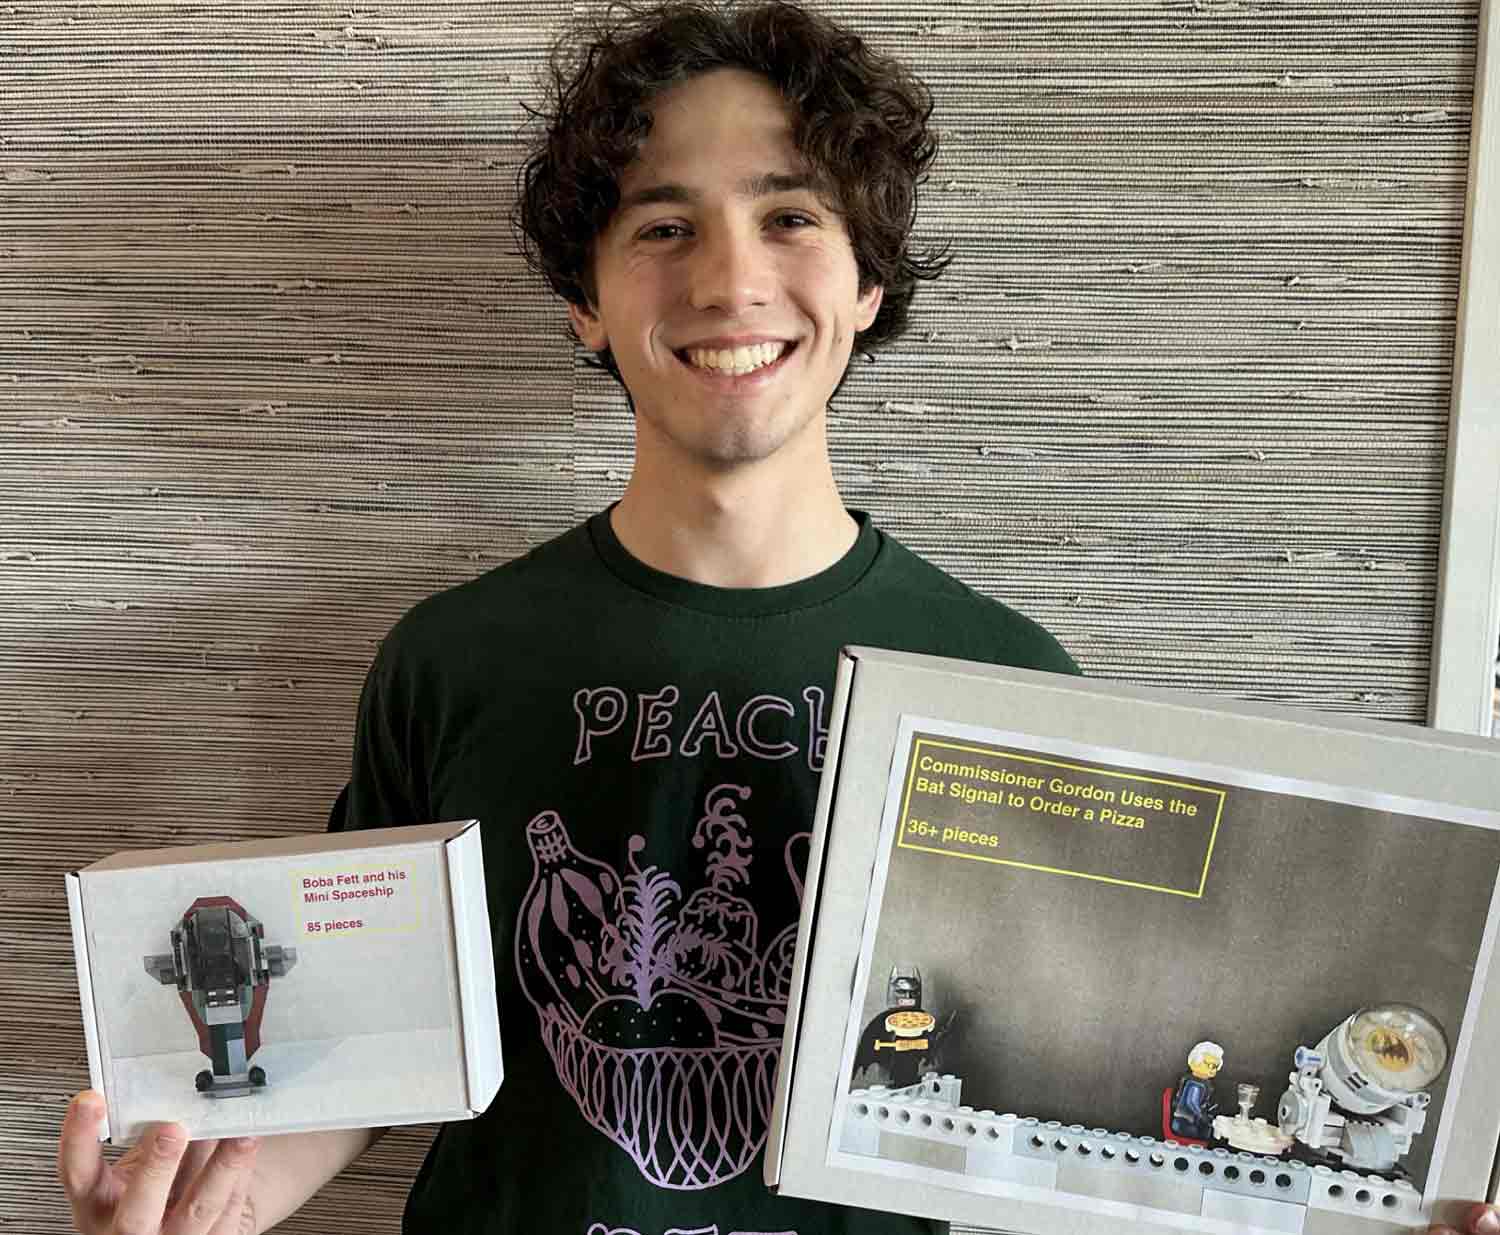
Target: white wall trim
[{"x": 1468, "y": 596}]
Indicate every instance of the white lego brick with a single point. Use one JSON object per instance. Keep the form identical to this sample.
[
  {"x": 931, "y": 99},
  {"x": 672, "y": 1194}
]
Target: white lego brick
[
  {"x": 986, "y": 1131},
  {"x": 1365, "y": 1196},
  {"x": 919, "y": 1151},
  {"x": 1254, "y": 1211},
  {"x": 1337, "y": 1222},
  {"x": 860, "y": 1133},
  {"x": 945, "y": 1088},
  {"x": 905, "y": 1113},
  {"x": 1155, "y": 1188},
  {"x": 990, "y": 1161}
]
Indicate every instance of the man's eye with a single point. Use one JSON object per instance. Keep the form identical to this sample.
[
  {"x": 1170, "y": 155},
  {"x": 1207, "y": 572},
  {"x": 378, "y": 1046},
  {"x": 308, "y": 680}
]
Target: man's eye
[
  {"x": 792, "y": 220},
  {"x": 664, "y": 231}
]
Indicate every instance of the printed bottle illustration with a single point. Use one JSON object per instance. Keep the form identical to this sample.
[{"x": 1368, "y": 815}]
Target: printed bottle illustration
[
  {"x": 661, "y": 1015},
  {"x": 563, "y": 917}
]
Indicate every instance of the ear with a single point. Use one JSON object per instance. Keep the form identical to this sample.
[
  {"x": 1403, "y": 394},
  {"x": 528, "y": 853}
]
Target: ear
[
  {"x": 867, "y": 307},
  {"x": 588, "y": 327}
]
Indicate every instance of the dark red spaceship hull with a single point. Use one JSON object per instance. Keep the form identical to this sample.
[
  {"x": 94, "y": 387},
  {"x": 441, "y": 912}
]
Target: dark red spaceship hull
[{"x": 257, "y": 998}]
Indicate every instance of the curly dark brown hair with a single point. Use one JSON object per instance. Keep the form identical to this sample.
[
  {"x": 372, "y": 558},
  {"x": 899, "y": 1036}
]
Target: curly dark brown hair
[{"x": 860, "y": 122}]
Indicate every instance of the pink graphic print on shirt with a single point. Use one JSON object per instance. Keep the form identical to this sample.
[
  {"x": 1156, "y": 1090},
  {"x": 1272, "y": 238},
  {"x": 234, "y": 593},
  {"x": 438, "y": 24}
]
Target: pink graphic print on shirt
[
  {"x": 598, "y": 1228},
  {"x": 661, "y": 1012}
]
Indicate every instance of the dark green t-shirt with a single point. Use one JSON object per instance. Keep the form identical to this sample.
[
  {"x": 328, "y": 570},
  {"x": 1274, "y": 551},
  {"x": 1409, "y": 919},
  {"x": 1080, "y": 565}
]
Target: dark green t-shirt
[{"x": 643, "y": 753}]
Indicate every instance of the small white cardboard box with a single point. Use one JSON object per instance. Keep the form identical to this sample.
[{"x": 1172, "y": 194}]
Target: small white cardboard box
[
  {"x": 1088, "y": 879},
  {"x": 335, "y": 980}
]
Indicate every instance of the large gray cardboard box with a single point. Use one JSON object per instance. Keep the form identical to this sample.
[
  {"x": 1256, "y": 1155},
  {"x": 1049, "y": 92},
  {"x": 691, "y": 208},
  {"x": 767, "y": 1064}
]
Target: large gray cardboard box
[
  {"x": 288, "y": 985},
  {"x": 1030, "y": 897}
]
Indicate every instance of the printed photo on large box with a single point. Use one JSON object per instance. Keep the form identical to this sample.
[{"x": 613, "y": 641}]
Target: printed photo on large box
[{"x": 1087, "y": 976}]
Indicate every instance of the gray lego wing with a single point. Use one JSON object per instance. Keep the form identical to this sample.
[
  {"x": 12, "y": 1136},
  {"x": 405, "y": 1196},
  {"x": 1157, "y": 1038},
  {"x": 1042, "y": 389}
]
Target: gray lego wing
[
  {"x": 163, "y": 968},
  {"x": 279, "y": 960}
]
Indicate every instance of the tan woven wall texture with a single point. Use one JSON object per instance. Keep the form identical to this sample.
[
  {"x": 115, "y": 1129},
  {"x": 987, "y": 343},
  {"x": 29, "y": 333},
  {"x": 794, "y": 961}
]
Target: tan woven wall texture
[{"x": 271, "y": 370}]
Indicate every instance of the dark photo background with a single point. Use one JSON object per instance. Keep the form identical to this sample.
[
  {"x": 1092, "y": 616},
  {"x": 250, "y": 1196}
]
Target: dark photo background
[{"x": 1078, "y": 1000}]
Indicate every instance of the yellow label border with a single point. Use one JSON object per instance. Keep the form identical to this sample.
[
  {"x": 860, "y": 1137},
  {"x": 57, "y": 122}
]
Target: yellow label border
[{"x": 918, "y": 742}]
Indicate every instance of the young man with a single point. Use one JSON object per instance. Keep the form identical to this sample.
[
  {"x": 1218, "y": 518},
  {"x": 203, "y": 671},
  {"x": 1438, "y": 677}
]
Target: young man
[{"x": 637, "y": 710}]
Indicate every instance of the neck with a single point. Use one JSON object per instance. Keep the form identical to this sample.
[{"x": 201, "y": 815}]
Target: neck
[{"x": 754, "y": 526}]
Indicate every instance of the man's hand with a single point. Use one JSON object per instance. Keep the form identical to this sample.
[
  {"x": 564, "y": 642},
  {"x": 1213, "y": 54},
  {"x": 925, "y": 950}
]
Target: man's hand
[
  {"x": 161, "y": 1186},
  {"x": 1479, "y": 1220}
]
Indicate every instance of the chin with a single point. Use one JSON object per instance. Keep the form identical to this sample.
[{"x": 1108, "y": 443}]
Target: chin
[
  {"x": 717, "y": 438},
  {"x": 726, "y": 454}
]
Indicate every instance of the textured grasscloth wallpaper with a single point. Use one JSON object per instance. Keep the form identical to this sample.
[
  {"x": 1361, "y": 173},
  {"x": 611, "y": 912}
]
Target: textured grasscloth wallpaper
[{"x": 271, "y": 370}]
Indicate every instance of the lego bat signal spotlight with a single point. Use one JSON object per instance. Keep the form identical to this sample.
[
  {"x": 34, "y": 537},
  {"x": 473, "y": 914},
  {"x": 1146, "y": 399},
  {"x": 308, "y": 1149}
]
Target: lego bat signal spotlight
[
  {"x": 222, "y": 969},
  {"x": 1359, "y": 1096}
]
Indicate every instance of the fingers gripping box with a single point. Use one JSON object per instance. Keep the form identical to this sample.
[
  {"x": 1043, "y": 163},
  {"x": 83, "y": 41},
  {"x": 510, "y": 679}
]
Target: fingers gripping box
[{"x": 291, "y": 984}]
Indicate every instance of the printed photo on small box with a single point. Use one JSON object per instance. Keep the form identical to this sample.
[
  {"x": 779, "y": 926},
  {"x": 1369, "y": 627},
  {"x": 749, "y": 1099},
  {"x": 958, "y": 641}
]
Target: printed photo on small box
[
  {"x": 1225, "y": 996},
  {"x": 221, "y": 967},
  {"x": 274, "y": 993}
]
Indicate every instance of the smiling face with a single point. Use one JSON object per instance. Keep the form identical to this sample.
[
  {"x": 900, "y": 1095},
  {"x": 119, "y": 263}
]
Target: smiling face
[{"x": 726, "y": 289}]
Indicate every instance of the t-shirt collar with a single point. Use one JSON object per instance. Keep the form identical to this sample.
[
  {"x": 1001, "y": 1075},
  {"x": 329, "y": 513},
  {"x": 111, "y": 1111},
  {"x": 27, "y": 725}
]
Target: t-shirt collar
[{"x": 737, "y": 601}]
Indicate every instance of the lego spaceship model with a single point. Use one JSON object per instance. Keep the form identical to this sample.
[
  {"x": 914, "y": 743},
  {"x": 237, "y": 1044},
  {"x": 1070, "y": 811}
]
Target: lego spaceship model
[{"x": 222, "y": 969}]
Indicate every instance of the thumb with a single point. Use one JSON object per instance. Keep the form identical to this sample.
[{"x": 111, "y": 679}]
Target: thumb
[
  {"x": 80, "y": 1157},
  {"x": 1483, "y": 1220}
]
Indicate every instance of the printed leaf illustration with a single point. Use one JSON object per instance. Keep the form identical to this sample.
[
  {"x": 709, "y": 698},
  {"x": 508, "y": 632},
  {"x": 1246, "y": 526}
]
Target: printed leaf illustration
[
  {"x": 639, "y": 953},
  {"x": 723, "y": 828}
]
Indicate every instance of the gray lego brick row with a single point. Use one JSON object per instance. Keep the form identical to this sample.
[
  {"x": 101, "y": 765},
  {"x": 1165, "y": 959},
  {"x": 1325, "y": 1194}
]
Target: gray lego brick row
[
  {"x": 921, "y": 1116},
  {"x": 1218, "y": 1170},
  {"x": 914, "y": 1126}
]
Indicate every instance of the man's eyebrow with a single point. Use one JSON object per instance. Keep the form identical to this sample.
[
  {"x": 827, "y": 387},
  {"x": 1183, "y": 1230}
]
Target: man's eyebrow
[
  {"x": 775, "y": 182},
  {"x": 762, "y": 185}
]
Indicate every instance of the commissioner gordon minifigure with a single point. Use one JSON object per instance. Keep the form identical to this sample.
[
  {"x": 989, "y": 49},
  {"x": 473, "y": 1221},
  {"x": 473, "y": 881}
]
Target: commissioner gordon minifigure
[{"x": 1193, "y": 1105}]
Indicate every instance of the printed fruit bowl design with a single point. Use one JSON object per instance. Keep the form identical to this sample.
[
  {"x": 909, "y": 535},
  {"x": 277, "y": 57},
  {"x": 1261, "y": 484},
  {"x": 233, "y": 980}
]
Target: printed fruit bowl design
[{"x": 661, "y": 1015}]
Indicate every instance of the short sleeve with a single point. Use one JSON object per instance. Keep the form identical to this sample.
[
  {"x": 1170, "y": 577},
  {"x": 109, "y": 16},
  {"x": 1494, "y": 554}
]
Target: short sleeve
[{"x": 383, "y": 790}]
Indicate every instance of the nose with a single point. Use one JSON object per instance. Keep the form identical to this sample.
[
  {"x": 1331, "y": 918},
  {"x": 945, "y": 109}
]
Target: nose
[{"x": 731, "y": 270}]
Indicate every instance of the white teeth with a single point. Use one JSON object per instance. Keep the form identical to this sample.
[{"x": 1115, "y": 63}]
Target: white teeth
[{"x": 738, "y": 360}]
